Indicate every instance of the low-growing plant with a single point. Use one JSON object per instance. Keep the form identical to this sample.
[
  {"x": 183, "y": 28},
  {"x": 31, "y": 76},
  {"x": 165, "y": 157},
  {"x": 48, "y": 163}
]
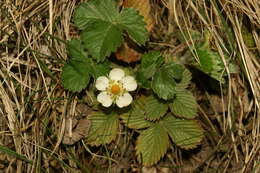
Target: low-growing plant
[{"x": 162, "y": 109}]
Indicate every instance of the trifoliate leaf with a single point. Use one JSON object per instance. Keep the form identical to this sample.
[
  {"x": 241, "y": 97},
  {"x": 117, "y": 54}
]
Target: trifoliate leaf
[
  {"x": 76, "y": 50},
  {"x": 184, "y": 105},
  {"x": 95, "y": 10},
  {"x": 101, "y": 39},
  {"x": 165, "y": 79},
  {"x": 103, "y": 128},
  {"x": 75, "y": 75},
  {"x": 186, "y": 134},
  {"x": 103, "y": 26},
  {"x": 133, "y": 23},
  {"x": 152, "y": 144},
  {"x": 154, "y": 108},
  {"x": 136, "y": 118}
]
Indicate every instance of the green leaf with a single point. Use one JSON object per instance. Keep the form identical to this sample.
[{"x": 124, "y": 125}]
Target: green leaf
[
  {"x": 76, "y": 50},
  {"x": 95, "y": 10},
  {"x": 184, "y": 105},
  {"x": 154, "y": 108},
  {"x": 142, "y": 80},
  {"x": 101, "y": 69},
  {"x": 134, "y": 24},
  {"x": 186, "y": 134},
  {"x": 150, "y": 62},
  {"x": 185, "y": 81},
  {"x": 209, "y": 62},
  {"x": 152, "y": 144},
  {"x": 10, "y": 152},
  {"x": 75, "y": 75},
  {"x": 101, "y": 39},
  {"x": 206, "y": 62},
  {"x": 103, "y": 128},
  {"x": 165, "y": 79},
  {"x": 100, "y": 34},
  {"x": 102, "y": 26},
  {"x": 136, "y": 118}
]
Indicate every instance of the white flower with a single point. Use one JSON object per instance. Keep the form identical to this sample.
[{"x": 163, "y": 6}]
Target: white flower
[{"x": 115, "y": 88}]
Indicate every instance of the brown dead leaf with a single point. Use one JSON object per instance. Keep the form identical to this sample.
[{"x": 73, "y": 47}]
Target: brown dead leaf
[
  {"x": 149, "y": 170},
  {"x": 127, "y": 54},
  {"x": 144, "y": 8},
  {"x": 77, "y": 127},
  {"x": 80, "y": 130},
  {"x": 218, "y": 105}
]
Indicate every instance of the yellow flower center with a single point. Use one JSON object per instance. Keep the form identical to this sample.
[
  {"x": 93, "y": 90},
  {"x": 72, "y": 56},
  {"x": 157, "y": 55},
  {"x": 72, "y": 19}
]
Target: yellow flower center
[{"x": 115, "y": 89}]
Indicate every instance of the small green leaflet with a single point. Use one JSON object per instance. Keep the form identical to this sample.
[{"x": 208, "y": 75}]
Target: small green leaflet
[
  {"x": 154, "y": 108},
  {"x": 101, "y": 38},
  {"x": 150, "y": 62},
  {"x": 103, "y": 25},
  {"x": 152, "y": 144},
  {"x": 136, "y": 118},
  {"x": 75, "y": 49},
  {"x": 103, "y": 128},
  {"x": 210, "y": 62},
  {"x": 185, "y": 81},
  {"x": 95, "y": 10},
  {"x": 75, "y": 75},
  {"x": 134, "y": 24},
  {"x": 145, "y": 110},
  {"x": 100, "y": 69},
  {"x": 165, "y": 80},
  {"x": 184, "y": 105},
  {"x": 186, "y": 134}
]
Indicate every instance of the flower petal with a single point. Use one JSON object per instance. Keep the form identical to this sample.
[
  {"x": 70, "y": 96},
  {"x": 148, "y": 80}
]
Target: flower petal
[
  {"x": 102, "y": 83},
  {"x": 129, "y": 83},
  {"x": 116, "y": 74},
  {"x": 124, "y": 100},
  {"x": 105, "y": 99}
]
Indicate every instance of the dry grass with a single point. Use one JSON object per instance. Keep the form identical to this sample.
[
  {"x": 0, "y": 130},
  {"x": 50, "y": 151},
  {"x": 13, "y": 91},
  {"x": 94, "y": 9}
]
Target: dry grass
[{"x": 34, "y": 107}]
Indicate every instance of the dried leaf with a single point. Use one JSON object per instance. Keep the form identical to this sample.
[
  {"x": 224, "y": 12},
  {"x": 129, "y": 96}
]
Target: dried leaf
[
  {"x": 127, "y": 54},
  {"x": 75, "y": 128},
  {"x": 147, "y": 169},
  {"x": 218, "y": 105},
  {"x": 144, "y": 8},
  {"x": 79, "y": 128}
]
